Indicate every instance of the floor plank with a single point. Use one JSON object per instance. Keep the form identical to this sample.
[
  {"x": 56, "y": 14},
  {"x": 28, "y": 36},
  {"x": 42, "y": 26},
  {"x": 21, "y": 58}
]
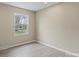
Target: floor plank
[{"x": 32, "y": 50}]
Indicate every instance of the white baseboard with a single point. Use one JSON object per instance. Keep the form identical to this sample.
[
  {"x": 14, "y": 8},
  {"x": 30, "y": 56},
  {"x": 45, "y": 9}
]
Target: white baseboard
[
  {"x": 17, "y": 44},
  {"x": 65, "y": 51}
]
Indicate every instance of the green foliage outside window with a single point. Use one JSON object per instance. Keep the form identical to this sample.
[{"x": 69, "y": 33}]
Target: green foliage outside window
[{"x": 20, "y": 24}]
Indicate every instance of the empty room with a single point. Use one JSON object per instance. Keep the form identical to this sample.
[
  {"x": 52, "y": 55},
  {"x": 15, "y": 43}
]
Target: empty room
[{"x": 39, "y": 29}]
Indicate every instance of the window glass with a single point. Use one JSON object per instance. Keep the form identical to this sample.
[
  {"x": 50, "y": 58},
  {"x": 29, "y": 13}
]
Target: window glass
[{"x": 21, "y": 23}]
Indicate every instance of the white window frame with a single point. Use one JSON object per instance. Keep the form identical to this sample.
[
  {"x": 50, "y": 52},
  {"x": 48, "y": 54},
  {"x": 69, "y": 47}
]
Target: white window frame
[{"x": 27, "y": 30}]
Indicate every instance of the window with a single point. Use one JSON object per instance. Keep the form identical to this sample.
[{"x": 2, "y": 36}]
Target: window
[{"x": 21, "y": 23}]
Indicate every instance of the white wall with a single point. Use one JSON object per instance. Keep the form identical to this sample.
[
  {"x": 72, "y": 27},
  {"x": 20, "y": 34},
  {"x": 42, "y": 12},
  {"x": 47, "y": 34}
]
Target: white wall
[
  {"x": 59, "y": 26},
  {"x": 7, "y": 37}
]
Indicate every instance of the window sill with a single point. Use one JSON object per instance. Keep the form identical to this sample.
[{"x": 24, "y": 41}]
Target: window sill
[{"x": 21, "y": 34}]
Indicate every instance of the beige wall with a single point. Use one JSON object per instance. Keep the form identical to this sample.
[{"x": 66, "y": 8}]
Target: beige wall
[
  {"x": 7, "y": 36},
  {"x": 59, "y": 26}
]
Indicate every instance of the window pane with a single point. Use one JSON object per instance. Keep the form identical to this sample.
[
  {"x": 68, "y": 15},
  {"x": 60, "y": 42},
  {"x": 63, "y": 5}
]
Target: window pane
[{"x": 20, "y": 23}]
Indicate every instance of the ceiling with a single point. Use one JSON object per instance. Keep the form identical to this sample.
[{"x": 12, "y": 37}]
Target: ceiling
[{"x": 34, "y": 6}]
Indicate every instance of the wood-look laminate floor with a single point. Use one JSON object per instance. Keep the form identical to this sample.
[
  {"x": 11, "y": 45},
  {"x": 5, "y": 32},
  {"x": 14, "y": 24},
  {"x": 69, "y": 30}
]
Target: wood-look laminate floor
[{"x": 32, "y": 50}]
